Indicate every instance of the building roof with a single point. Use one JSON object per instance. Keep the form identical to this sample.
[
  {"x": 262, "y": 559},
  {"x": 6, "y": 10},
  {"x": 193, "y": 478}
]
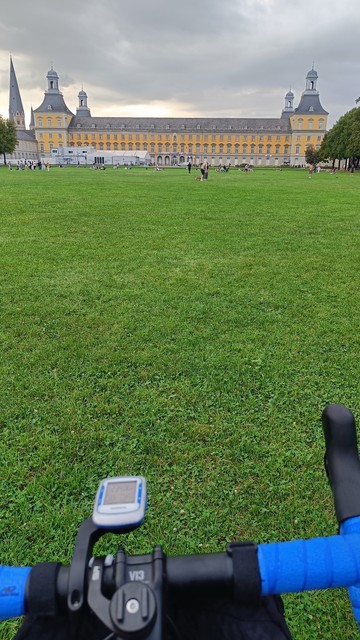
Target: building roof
[
  {"x": 310, "y": 104},
  {"x": 25, "y": 136},
  {"x": 177, "y": 125},
  {"x": 53, "y": 102}
]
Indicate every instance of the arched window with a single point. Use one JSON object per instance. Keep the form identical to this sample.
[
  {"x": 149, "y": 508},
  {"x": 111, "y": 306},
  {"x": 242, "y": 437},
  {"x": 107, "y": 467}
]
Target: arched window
[
  {"x": 101, "y": 146},
  {"x": 244, "y": 149},
  {"x": 228, "y": 147},
  {"x": 321, "y": 123},
  {"x": 213, "y": 148},
  {"x": 108, "y": 146},
  {"x": 49, "y": 122},
  {"x": 58, "y": 122},
  {"x": 311, "y": 123},
  {"x": 39, "y": 121},
  {"x": 300, "y": 123},
  {"x": 123, "y": 146}
]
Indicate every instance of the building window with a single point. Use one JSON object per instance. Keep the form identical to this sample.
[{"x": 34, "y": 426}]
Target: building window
[
  {"x": 300, "y": 123},
  {"x": 311, "y": 123},
  {"x": 58, "y": 122},
  {"x": 123, "y": 146},
  {"x": 108, "y": 146},
  {"x": 321, "y": 123},
  {"x": 130, "y": 146},
  {"x": 49, "y": 122},
  {"x": 297, "y": 150}
]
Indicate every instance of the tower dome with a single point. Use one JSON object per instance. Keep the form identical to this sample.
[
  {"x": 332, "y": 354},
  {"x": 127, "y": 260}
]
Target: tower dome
[
  {"x": 83, "y": 109},
  {"x": 53, "y": 98},
  {"x": 289, "y": 104}
]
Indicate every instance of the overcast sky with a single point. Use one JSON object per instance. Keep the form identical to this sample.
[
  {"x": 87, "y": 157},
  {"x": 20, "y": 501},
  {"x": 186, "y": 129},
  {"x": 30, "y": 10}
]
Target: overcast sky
[{"x": 234, "y": 58}]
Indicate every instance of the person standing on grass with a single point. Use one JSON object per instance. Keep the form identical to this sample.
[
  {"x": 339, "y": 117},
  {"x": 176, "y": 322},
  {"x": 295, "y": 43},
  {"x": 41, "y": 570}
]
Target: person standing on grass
[
  {"x": 352, "y": 169},
  {"x": 189, "y": 166}
]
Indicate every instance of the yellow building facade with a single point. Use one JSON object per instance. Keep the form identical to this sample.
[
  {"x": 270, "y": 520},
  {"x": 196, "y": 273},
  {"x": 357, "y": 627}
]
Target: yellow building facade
[{"x": 227, "y": 141}]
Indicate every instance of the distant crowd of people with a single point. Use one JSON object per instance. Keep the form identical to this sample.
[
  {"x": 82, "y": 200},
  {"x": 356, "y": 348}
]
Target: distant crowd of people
[{"x": 29, "y": 164}]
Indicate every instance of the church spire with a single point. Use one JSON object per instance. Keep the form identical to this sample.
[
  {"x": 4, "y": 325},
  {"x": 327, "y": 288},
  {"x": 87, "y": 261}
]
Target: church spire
[{"x": 16, "y": 109}]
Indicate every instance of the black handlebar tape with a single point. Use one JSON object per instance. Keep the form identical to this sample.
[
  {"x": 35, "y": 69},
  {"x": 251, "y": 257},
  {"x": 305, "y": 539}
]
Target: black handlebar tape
[
  {"x": 202, "y": 573},
  {"x": 41, "y": 596},
  {"x": 342, "y": 460}
]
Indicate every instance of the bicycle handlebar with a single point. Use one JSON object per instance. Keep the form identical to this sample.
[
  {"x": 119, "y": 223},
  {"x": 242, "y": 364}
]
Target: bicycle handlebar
[
  {"x": 341, "y": 460},
  {"x": 262, "y": 570}
]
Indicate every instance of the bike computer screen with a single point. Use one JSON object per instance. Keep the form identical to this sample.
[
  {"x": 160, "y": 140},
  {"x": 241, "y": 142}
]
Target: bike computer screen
[{"x": 120, "y": 502}]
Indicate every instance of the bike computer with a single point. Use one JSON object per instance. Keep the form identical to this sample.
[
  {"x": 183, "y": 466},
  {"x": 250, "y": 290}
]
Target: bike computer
[{"x": 120, "y": 502}]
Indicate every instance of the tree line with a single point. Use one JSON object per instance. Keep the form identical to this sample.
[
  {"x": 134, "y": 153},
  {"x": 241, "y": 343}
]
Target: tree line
[
  {"x": 8, "y": 139},
  {"x": 341, "y": 143}
]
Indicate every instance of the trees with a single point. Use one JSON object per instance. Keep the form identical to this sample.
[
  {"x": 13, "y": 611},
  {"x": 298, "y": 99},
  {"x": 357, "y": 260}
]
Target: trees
[
  {"x": 343, "y": 140},
  {"x": 312, "y": 155},
  {"x": 8, "y": 139}
]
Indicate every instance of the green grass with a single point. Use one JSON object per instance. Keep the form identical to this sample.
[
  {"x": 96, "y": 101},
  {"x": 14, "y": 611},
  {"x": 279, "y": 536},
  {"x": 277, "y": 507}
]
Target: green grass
[{"x": 192, "y": 332}]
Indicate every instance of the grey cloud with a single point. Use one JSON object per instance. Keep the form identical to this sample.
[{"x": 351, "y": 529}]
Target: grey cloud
[{"x": 212, "y": 57}]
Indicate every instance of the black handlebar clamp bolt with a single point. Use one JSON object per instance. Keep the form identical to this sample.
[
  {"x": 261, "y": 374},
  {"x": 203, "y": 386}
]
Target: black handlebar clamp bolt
[{"x": 133, "y": 610}]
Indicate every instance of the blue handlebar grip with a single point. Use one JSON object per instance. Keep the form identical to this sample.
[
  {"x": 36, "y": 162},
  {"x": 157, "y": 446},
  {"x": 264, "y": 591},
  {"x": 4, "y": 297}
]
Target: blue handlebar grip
[
  {"x": 302, "y": 565},
  {"x": 12, "y": 591},
  {"x": 351, "y": 527}
]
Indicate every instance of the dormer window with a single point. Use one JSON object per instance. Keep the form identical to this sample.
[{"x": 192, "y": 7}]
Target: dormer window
[
  {"x": 49, "y": 107},
  {"x": 311, "y": 108},
  {"x": 198, "y": 127}
]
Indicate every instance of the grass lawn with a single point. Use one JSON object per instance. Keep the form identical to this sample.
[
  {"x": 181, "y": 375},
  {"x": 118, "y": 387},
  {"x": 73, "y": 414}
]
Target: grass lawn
[{"x": 189, "y": 331}]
